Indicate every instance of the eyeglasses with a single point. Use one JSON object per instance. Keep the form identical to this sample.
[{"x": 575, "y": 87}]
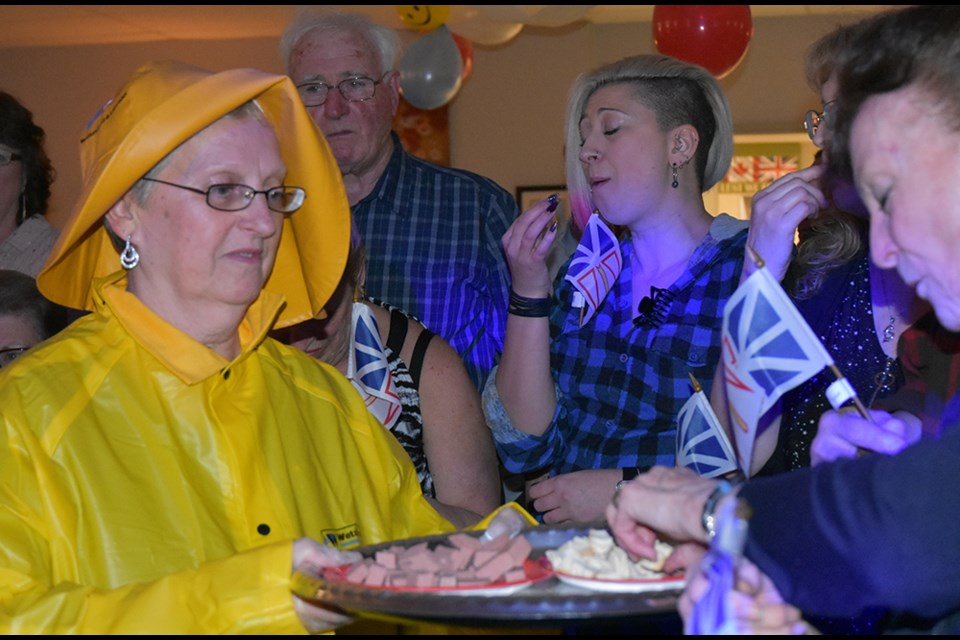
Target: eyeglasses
[
  {"x": 813, "y": 120},
  {"x": 7, "y": 156},
  {"x": 354, "y": 89},
  {"x": 9, "y": 355},
  {"x": 236, "y": 197}
]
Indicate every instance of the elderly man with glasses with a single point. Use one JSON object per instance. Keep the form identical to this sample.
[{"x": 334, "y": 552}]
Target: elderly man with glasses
[{"x": 432, "y": 233}]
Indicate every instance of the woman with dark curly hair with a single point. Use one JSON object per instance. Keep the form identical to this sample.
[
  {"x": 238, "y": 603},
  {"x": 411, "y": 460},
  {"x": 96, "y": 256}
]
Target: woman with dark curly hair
[{"x": 25, "y": 176}]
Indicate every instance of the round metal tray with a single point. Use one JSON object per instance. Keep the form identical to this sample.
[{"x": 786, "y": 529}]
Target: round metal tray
[{"x": 545, "y": 601}]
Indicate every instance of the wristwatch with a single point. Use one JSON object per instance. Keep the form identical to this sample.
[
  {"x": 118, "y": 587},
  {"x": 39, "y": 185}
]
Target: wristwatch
[
  {"x": 708, "y": 518},
  {"x": 628, "y": 475}
]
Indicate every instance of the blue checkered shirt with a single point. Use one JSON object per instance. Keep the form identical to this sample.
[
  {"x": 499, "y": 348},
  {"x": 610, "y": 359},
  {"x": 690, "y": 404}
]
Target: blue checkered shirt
[
  {"x": 619, "y": 386},
  {"x": 432, "y": 236}
]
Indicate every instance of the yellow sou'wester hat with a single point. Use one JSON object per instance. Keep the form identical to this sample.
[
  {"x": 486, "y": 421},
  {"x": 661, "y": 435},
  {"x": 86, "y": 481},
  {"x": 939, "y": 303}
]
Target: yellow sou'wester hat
[{"x": 160, "y": 107}]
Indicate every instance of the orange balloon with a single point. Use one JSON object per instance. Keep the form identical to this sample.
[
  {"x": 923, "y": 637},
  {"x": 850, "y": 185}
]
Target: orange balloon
[
  {"x": 713, "y": 36},
  {"x": 466, "y": 54}
]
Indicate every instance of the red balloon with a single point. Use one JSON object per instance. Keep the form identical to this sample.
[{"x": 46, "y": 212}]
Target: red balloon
[
  {"x": 466, "y": 54},
  {"x": 712, "y": 36}
]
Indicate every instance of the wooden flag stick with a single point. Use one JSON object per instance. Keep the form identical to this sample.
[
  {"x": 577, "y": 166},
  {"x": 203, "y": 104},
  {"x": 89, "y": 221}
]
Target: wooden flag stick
[
  {"x": 696, "y": 385},
  {"x": 757, "y": 259}
]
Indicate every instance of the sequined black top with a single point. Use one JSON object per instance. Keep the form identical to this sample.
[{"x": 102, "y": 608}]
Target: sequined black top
[{"x": 841, "y": 314}]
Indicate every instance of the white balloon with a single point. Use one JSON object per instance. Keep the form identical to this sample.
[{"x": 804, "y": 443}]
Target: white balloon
[
  {"x": 469, "y": 22},
  {"x": 431, "y": 70}
]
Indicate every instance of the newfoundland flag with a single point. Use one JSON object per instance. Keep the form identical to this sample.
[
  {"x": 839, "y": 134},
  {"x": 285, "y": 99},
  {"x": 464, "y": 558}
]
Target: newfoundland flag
[
  {"x": 702, "y": 444},
  {"x": 768, "y": 349},
  {"x": 594, "y": 267},
  {"x": 368, "y": 369}
]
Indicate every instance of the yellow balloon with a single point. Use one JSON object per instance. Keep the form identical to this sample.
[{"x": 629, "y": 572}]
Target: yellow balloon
[{"x": 425, "y": 17}]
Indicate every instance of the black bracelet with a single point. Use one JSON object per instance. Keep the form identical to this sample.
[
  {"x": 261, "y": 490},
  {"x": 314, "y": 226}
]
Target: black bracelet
[
  {"x": 629, "y": 473},
  {"x": 528, "y": 307}
]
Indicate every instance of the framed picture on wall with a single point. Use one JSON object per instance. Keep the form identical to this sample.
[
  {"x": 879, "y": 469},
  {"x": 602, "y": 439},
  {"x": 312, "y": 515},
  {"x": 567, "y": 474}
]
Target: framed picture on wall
[{"x": 528, "y": 196}]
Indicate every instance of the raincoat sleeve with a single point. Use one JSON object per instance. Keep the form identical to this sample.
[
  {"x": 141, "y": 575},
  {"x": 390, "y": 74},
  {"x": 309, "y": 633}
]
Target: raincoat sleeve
[{"x": 245, "y": 593}]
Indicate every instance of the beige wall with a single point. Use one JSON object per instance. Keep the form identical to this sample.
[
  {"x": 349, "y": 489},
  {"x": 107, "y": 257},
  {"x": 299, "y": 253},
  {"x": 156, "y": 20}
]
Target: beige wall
[{"x": 505, "y": 123}]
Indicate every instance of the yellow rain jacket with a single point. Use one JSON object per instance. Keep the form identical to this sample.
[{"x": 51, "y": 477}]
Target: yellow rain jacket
[{"x": 148, "y": 485}]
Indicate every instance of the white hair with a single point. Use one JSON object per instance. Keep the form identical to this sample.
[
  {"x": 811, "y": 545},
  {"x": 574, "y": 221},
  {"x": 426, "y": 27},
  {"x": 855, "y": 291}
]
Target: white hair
[{"x": 383, "y": 40}]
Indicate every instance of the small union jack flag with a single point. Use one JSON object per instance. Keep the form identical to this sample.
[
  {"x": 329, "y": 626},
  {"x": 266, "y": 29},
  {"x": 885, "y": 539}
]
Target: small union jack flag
[
  {"x": 595, "y": 266},
  {"x": 368, "y": 369}
]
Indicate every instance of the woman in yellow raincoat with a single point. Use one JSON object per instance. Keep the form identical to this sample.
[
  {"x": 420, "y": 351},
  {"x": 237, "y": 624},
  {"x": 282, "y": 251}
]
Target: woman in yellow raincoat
[{"x": 164, "y": 463}]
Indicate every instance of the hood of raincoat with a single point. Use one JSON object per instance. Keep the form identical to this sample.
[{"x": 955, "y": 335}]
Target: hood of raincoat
[{"x": 159, "y": 108}]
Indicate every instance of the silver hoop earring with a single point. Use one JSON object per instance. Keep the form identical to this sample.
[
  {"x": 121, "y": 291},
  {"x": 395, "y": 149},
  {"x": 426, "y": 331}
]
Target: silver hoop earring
[
  {"x": 129, "y": 258},
  {"x": 22, "y": 213},
  {"x": 676, "y": 181}
]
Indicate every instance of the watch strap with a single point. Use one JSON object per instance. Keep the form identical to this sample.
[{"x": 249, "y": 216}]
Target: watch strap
[{"x": 708, "y": 517}]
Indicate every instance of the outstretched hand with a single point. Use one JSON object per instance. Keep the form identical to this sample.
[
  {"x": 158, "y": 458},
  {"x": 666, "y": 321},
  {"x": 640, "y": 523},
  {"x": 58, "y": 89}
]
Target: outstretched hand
[
  {"x": 311, "y": 557},
  {"x": 664, "y": 501}
]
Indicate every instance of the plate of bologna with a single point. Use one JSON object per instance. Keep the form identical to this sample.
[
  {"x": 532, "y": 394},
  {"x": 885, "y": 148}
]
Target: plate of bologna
[{"x": 460, "y": 564}]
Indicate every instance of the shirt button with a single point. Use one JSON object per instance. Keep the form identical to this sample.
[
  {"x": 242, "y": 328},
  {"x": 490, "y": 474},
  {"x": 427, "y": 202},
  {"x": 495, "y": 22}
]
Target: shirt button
[
  {"x": 624, "y": 357},
  {"x": 226, "y": 374},
  {"x": 263, "y": 529}
]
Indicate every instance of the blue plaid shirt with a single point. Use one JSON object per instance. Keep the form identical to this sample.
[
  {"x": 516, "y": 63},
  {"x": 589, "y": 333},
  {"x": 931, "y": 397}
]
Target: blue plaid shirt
[
  {"x": 620, "y": 387},
  {"x": 432, "y": 236}
]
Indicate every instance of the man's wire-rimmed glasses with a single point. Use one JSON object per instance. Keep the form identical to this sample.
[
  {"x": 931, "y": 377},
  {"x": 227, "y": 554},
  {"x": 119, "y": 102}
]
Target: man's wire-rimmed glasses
[
  {"x": 236, "y": 197},
  {"x": 814, "y": 119},
  {"x": 353, "y": 89}
]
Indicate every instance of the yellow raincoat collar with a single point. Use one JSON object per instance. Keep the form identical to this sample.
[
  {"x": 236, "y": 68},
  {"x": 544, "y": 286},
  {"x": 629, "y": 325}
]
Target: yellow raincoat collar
[
  {"x": 181, "y": 354},
  {"x": 160, "y": 107}
]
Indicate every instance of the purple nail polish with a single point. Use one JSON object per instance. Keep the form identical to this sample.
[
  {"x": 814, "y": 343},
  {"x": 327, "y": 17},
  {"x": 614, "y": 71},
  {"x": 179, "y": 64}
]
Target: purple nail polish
[{"x": 554, "y": 202}]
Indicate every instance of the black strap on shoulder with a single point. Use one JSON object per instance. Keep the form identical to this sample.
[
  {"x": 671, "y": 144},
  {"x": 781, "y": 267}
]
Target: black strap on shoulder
[
  {"x": 398, "y": 335},
  {"x": 398, "y": 331},
  {"x": 419, "y": 351}
]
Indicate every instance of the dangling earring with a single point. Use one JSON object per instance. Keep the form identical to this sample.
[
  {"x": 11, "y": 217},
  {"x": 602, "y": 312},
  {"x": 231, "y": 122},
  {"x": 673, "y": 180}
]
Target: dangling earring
[
  {"x": 129, "y": 258},
  {"x": 22, "y": 214},
  {"x": 676, "y": 181}
]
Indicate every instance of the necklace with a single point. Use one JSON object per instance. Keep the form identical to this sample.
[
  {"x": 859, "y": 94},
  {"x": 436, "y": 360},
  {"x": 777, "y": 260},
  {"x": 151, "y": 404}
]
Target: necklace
[
  {"x": 888, "y": 332},
  {"x": 883, "y": 379},
  {"x": 886, "y": 301}
]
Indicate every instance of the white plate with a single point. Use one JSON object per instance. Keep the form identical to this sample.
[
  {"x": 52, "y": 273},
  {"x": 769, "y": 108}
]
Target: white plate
[{"x": 623, "y": 586}]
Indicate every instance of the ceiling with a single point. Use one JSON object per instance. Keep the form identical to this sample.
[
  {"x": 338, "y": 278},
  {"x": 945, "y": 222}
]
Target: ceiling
[{"x": 62, "y": 25}]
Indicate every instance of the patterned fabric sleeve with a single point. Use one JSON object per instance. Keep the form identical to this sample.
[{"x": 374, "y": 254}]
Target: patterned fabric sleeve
[{"x": 518, "y": 451}]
